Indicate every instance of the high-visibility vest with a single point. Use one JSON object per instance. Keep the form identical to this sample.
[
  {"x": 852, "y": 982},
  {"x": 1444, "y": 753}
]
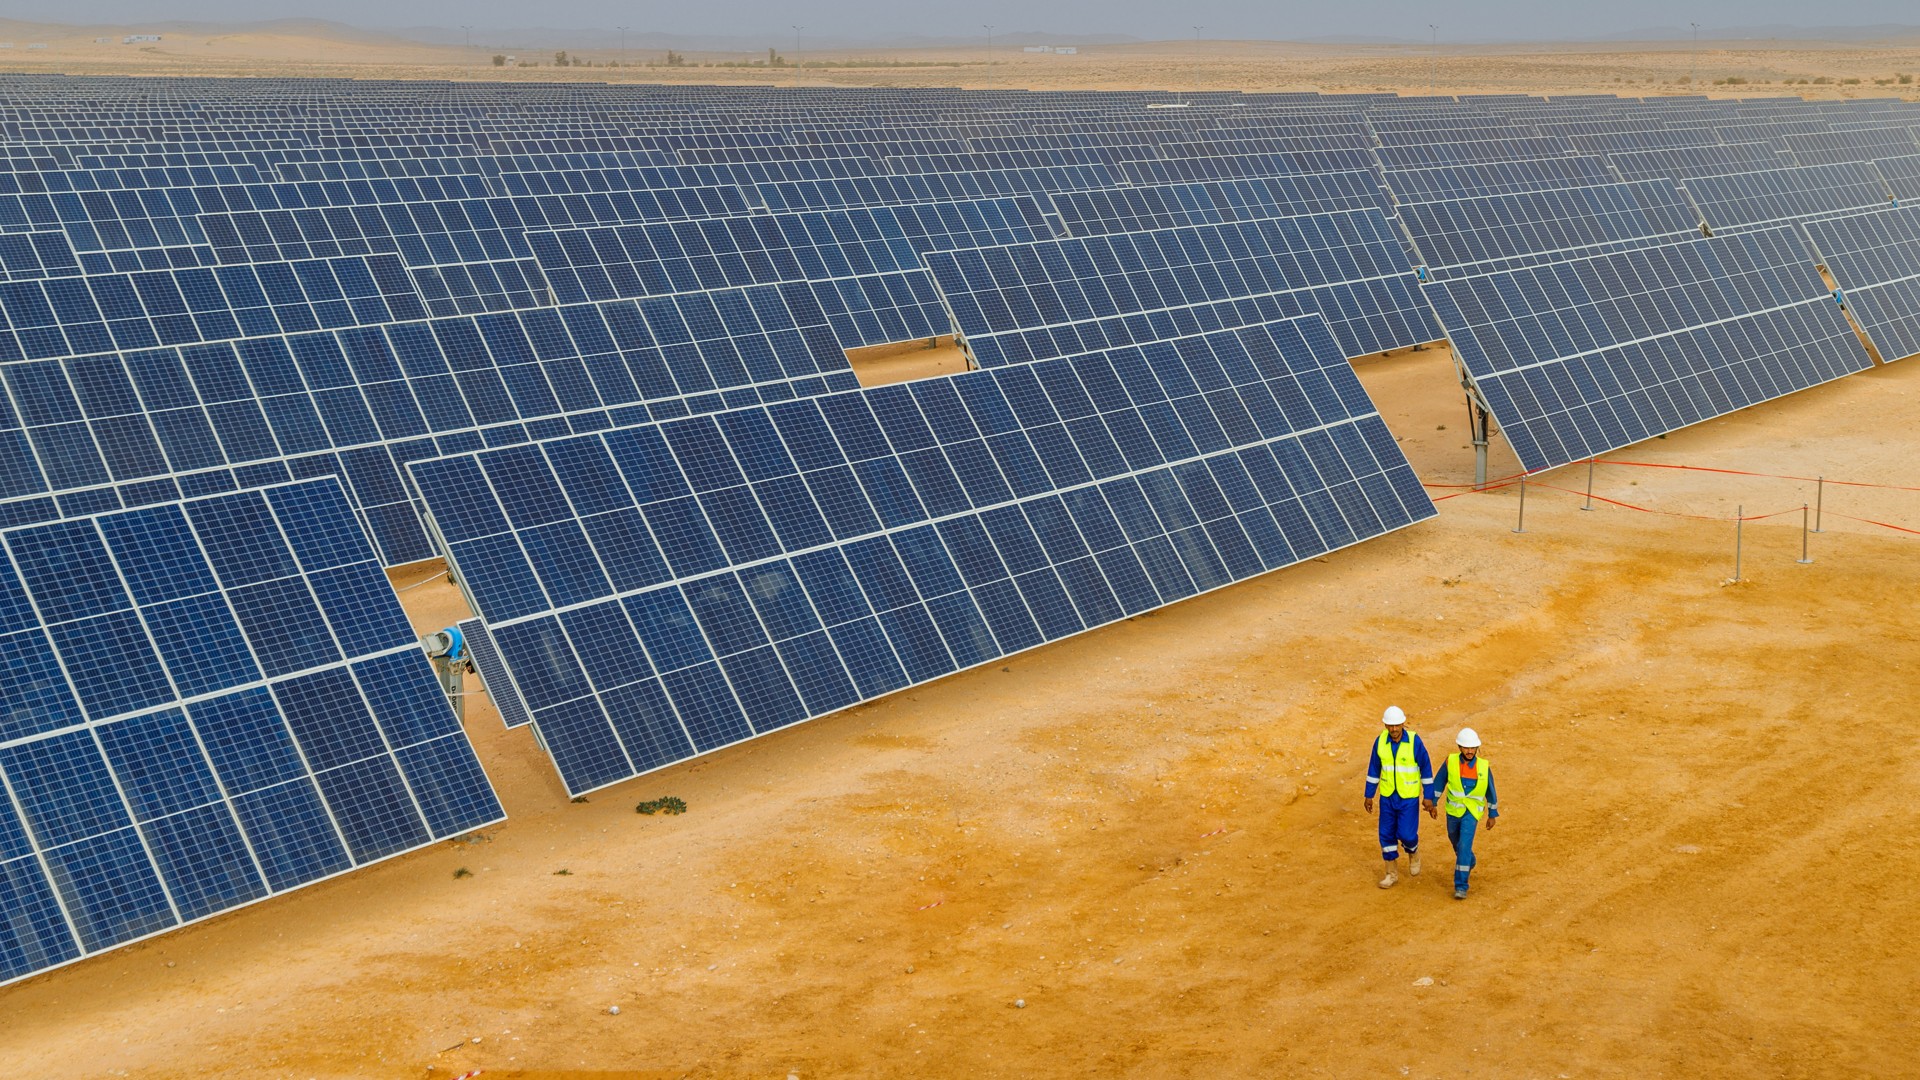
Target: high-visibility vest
[
  {"x": 1399, "y": 773},
  {"x": 1459, "y": 799}
]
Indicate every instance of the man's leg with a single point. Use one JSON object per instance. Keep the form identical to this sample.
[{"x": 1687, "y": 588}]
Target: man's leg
[
  {"x": 1389, "y": 843},
  {"x": 1462, "y": 851},
  {"x": 1410, "y": 834}
]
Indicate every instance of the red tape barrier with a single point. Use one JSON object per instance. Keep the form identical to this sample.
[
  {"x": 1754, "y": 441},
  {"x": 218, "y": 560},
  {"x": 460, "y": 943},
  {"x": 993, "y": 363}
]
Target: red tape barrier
[
  {"x": 1513, "y": 479},
  {"x": 1743, "y": 472}
]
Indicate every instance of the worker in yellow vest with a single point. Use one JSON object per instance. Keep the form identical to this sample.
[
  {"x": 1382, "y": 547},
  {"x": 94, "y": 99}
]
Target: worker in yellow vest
[
  {"x": 1466, "y": 778},
  {"x": 1400, "y": 771}
]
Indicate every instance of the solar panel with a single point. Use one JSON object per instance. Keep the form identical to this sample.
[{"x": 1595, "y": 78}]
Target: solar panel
[
  {"x": 1875, "y": 259},
  {"x": 1683, "y": 162},
  {"x": 863, "y": 264},
  {"x": 1025, "y": 302},
  {"x": 1584, "y": 356},
  {"x": 1858, "y": 145},
  {"x": 1497, "y": 232},
  {"x": 1429, "y": 154},
  {"x": 1138, "y": 209},
  {"x": 668, "y": 589},
  {"x": 208, "y": 702},
  {"x": 1902, "y": 176},
  {"x": 1760, "y": 199},
  {"x": 1495, "y": 178}
]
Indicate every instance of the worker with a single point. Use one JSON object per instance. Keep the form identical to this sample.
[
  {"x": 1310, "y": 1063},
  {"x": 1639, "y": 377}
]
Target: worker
[
  {"x": 1399, "y": 769},
  {"x": 1466, "y": 779}
]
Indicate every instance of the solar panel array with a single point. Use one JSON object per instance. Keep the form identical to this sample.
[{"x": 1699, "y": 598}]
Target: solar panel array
[
  {"x": 592, "y": 341},
  {"x": 208, "y": 702}
]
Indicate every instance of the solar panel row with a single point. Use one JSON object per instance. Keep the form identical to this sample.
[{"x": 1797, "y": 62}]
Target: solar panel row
[
  {"x": 1875, "y": 259},
  {"x": 1023, "y": 302},
  {"x": 1584, "y": 356},
  {"x": 665, "y": 590}
]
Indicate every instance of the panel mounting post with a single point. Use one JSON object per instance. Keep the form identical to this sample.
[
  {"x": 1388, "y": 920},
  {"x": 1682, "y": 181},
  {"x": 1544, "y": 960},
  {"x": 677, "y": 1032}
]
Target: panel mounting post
[{"x": 1477, "y": 424}]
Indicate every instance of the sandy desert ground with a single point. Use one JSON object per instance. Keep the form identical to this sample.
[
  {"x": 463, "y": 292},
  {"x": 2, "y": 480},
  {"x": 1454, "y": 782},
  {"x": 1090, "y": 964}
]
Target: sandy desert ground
[
  {"x": 1152, "y": 834},
  {"x": 1629, "y": 68}
]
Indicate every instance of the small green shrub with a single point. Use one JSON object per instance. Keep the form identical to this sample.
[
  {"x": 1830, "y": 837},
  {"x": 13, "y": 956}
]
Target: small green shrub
[{"x": 666, "y": 805}]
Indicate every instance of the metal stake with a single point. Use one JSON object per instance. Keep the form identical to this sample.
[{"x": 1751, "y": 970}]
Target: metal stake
[
  {"x": 1739, "y": 530},
  {"x": 1520, "y": 526},
  {"x": 1589, "y": 504},
  {"x": 1819, "y": 501},
  {"x": 1804, "y": 557}
]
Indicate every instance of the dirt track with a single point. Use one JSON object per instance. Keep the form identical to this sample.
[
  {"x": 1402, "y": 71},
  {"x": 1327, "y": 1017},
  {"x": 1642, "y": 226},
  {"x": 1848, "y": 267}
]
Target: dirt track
[{"x": 1152, "y": 835}]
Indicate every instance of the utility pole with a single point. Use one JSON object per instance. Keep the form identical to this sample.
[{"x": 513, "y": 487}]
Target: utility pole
[
  {"x": 469, "y": 30},
  {"x": 1433, "y": 57},
  {"x": 1693, "y": 65},
  {"x": 797, "y": 65},
  {"x": 1196, "y": 60},
  {"x": 623, "y": 45},
  {"x": 989, "y": 29}
]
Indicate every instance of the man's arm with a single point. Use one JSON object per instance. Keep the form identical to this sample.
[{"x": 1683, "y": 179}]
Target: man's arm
[
  {"x": 1425, "y": 762},
  {"x": 1373, "y": 773},
  {"x": 1493, "y": 800}
]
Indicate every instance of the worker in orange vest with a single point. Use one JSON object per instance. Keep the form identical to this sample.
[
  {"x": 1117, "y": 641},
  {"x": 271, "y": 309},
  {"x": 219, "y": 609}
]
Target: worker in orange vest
[{"x": 1465, "y": 781}]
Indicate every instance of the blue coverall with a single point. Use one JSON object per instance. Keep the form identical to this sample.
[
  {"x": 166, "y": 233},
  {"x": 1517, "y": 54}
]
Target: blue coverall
[
  {"x": 1400, "y": 816},
  {"x": 1461, "y": 830}
]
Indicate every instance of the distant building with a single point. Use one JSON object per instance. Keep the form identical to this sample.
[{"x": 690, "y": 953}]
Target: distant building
[
  {"x": 38, "y": 45},
  {"x": 139, "y": 39},
  {"x": 1038, "y": 48},
  {"x": 1067, "y": 50},
  {"x": 103, "y": 41},
  {"x": 6, "y": 44}
]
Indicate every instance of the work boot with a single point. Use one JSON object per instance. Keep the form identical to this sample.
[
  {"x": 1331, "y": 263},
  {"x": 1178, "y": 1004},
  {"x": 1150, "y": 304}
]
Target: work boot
[
  {"x": 1392, "y": 877},
  {"x": 1459, "y": 894},
  {"x": 1413, "y": 863}
]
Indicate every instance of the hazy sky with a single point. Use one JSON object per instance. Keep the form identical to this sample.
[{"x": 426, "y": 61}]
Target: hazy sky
[{"x": 1260, "y": 19}]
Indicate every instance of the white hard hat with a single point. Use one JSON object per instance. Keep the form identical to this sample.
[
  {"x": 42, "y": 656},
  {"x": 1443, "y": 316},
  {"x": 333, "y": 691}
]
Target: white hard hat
[
  {"x": 1468, "y": 737},
  {"x": 1393, "y": 717}
]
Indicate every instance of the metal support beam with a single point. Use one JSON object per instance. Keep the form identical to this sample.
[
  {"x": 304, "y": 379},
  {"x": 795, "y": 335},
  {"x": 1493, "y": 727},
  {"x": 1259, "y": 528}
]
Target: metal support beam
[{"x": 1477, "y": 424}]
